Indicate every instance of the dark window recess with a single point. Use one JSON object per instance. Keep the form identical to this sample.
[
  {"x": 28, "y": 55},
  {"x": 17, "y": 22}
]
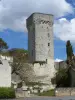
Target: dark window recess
[
  {"x": 48, "y": 44},
  {"x": 32, "y": 52}
]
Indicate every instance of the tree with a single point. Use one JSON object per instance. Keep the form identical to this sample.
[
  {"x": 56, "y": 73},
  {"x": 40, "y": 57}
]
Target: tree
[
  {"x": 61, "y": 78},
  {"x": 70, "y": 55},
  {"x": 70, "y": 59},
  {"x": 20, "y": 56},
  {"x": 69, "y": 50},
  {"x": 3, "y": 44}
]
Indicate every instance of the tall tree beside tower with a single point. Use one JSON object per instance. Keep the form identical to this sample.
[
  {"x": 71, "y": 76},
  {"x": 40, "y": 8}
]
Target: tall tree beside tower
[
  {"x": 70, "y": 59},
  {"x": 69, "y": 50}
]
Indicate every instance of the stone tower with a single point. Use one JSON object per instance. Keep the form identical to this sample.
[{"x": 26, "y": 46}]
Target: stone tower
[
  {"x": 40, "y": 37},
  {"x": 40, "y": 47}
]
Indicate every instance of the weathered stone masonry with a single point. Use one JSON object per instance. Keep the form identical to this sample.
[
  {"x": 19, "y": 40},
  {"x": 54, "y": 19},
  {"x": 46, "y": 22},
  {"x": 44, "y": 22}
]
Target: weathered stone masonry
[
  {"x": 40, "y": 37},
  {"x": 40, "y": 47}
]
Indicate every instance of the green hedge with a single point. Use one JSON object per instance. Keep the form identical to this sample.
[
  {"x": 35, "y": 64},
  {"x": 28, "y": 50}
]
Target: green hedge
[
  {"x": 7, "y": 93},
  {"x": 47, "y": 93}
]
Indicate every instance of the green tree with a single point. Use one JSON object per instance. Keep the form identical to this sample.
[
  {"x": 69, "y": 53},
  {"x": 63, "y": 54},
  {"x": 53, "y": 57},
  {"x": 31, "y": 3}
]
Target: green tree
[
  {"x": 20, "y": 56},
  {"x": 69, "y": 50},
  {"x": 3, "y": 44},
  {"x": 61, "y": 78}
]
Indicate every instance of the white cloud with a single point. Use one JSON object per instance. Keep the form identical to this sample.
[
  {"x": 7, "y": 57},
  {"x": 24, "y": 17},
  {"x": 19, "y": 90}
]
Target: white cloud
[
  {"x": 58, "y": 60},
  {"x": 64, "y": 29},
  {"x": 14, "y": 12}
]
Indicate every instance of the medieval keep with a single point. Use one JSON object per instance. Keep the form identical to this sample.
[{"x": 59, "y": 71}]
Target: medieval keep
[{"x": 40, "y": 37}]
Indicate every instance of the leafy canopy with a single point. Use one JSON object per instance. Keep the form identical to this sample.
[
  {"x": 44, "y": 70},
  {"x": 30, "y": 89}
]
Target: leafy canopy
[{"x": 3, "y": 44}]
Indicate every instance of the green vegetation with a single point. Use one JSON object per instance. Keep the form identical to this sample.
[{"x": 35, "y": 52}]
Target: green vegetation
[
  {"x": 6, "y": 93},
  {"x": 63, "y": 77},
  {"x": 70, "y": 55},
  {"x": 3, "y": 44},
  {"x": 20, "y": 56},
  {"x": 69, "y": 50},
  {"x": 70, "y": 59},
  {"x": 47, "y": 93}
]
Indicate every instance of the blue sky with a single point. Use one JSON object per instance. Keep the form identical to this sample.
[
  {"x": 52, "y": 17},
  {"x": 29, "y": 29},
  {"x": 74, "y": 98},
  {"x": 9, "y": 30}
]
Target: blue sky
[{"x": 13, "y": 27}]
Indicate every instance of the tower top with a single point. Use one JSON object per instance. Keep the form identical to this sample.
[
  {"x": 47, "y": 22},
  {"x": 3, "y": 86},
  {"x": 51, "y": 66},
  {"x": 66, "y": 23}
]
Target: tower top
[
  {"x": 36, "y": 16},
  {"x": 39, "y": 13}
]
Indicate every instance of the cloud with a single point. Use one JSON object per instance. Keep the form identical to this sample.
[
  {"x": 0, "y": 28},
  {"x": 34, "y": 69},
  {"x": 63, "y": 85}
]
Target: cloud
[
  {"x": 58, "y": 60},
  {"x": 13, "y": 13},
  {"x": 64, "y": 29}
]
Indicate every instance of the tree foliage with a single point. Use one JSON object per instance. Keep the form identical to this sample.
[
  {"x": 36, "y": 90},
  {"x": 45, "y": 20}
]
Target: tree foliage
[
  {"x": 69, "y": 50},
  {"x": 61, "y": 78},
  {"x": 3, "y": 44},
  {"x": 20, "y": 56}
]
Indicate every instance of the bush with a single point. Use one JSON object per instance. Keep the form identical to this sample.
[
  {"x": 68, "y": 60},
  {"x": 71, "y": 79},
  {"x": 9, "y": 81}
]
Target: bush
[
  {"x": 48, "y": 93},
  {"x": 6, "y": 93}
]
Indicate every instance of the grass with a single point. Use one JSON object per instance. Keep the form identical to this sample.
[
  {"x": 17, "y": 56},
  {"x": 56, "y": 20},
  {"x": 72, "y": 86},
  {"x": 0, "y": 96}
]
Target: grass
[{"x": 47, "y": 93}]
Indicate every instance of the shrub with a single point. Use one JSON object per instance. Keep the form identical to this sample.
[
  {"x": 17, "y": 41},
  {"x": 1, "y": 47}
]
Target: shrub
[
  {"x": 6, "y": 93},
  {"x": 47, "y": 93}
]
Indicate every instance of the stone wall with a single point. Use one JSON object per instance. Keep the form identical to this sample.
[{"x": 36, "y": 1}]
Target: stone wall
[
  {"x": 20, "y": 93},
  {"x": 5, "y": 72},
  {"x": 25, "y": 93},
  {"x": 41, "y": 73},
  {"x": 44, "y": 72},
  {"x": 65, "y": 92},
  {"x": 61, "y": 64},
  {"x": 10, "y": 59}
]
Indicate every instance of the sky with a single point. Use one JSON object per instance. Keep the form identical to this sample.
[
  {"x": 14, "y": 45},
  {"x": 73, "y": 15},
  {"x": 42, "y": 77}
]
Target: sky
[{"x": 13, "y": 15}]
